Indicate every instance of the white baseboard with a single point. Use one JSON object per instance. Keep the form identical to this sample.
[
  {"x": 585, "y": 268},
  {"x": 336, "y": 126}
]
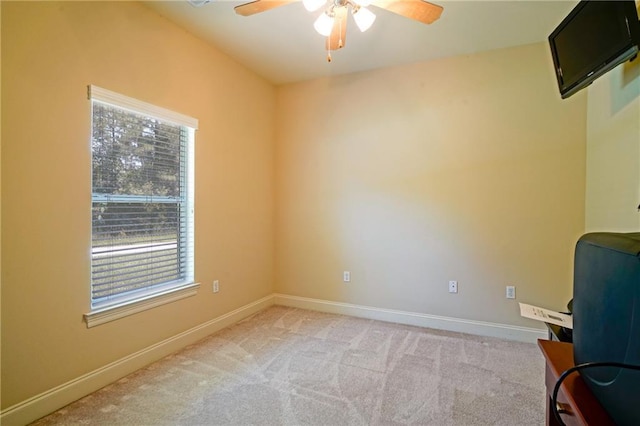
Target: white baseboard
[
  {"x": 481, "y": 328},
  {"x": 47, "y": 402},
  {"x": 40, "y": 405}
]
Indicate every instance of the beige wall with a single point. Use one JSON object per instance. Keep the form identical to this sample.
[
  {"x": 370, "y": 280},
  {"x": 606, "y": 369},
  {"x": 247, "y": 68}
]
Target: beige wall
[
  {"x": 50, "y": 53},
  {"x": 613, "y": 151},
  {"x": 470, "y": 168},
  {"x": 0, "y": 199}
]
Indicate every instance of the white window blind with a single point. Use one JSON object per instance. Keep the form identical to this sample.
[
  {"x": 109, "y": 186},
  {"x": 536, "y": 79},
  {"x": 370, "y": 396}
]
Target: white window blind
[{"x": 142, "y": 199}]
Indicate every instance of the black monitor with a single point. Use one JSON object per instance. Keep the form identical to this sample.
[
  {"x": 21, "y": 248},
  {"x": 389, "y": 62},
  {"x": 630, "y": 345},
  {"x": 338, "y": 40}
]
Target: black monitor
[{"x": 594, "y": 38}]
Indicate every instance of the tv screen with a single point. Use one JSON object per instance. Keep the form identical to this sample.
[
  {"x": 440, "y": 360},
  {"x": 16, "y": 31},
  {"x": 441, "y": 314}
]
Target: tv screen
[{"x": 595, "y": 37}]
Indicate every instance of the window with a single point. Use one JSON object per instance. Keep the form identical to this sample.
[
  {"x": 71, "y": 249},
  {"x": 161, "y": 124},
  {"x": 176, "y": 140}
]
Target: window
[{"x": 142, "y": 201}]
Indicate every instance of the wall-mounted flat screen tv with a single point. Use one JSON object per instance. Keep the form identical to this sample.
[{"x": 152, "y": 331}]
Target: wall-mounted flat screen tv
[{"x": 594, "y": 38}]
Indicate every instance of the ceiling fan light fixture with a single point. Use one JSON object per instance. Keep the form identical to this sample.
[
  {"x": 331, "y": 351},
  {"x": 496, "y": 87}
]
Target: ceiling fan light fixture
[
  {"x": 324, "y": 24},
  {"x": 313, "y": 5},
  {"x": 364, "y": 18}
]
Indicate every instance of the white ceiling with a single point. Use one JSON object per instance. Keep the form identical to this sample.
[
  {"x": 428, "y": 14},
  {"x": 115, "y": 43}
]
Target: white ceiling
[{"x": 282, "y": 46}]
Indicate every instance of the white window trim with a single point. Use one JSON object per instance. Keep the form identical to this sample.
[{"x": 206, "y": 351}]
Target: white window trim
[
  {"x": 110, "y": 313},
  {"x": 115, "y": 312},
  {"x": 136, "y": 106}
]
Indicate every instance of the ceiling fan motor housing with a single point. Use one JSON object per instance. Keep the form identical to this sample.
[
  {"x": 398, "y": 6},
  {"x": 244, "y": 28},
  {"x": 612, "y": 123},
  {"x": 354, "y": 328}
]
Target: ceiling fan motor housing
[{"x": 198, "y": 3}]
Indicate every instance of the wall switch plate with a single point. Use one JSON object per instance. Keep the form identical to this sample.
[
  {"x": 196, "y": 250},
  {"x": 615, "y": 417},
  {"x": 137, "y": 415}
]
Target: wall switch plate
[
  {"x": 453, "y": 286},
  {"x": 216, "y": 286},
  {"x": 511, "y": 292},
  {"x": 346, "y": 276}
]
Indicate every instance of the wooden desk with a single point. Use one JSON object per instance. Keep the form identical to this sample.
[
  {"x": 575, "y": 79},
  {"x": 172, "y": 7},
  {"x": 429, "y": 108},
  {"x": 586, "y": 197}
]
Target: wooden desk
[{"x": 579, "y": 404}]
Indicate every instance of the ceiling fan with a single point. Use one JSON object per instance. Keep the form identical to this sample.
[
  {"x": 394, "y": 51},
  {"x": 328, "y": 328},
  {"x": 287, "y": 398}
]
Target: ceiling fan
[{"x": 332, "y": 23}]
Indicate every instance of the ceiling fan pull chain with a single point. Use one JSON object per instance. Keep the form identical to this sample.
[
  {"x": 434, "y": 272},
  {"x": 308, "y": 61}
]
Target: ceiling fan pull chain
[
  {"x": 328, "y": 46},
  {"x": 340, "y": 43}
]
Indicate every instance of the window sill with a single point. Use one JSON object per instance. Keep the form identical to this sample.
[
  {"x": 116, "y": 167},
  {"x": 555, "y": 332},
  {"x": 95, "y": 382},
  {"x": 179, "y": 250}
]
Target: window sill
[{"x": 111, "y": 313}]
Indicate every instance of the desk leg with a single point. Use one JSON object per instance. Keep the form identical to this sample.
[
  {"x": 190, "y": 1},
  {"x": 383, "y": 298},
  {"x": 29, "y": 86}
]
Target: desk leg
[{"x": 551, "y": 419}]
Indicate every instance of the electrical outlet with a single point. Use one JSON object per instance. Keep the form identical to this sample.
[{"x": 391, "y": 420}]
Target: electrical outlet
[
  {"x": 346, "y": 276},
  {"x": 453, "y": 286},
  {"x": 511, "y": 292},
  {"x": 216, "y": 286}
]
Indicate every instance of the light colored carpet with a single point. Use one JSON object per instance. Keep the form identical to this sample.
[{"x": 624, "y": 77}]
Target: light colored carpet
[{"x": 286, "y": 366}]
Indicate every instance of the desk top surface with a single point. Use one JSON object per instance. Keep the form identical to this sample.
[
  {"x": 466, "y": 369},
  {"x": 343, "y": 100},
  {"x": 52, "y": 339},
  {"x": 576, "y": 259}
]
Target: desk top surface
[{"x": 559, "y": 357}]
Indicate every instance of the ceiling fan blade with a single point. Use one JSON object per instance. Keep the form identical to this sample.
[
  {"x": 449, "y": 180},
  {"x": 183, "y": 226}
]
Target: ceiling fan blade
[
  {"x": 418, "y": 10},
  {"x": 338, "y": 36},
  {"x": 258, "y": 6}
]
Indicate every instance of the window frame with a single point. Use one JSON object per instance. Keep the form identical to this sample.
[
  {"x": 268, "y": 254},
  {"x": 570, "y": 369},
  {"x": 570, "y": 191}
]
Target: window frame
[{"x": 168, "y": 292}]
